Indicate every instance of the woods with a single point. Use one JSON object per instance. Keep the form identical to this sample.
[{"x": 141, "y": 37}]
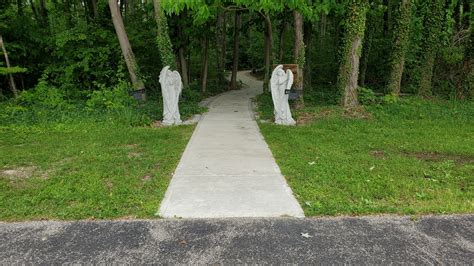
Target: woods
[{"x": 388, "y": 47}]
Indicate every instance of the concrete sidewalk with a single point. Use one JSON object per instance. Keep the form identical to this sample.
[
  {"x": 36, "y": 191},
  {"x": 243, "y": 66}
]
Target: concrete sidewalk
[
  {"x": 364, "y": 240},
  {"x": 227, "y": 169}
]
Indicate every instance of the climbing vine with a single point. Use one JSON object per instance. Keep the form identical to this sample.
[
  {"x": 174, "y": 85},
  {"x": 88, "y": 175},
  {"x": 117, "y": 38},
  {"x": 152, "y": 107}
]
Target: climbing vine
[
  {"x": 164, "y": 43},
  {"x": 399, "y": 46},
  {"x": 432, "y": 28},
  {"x": 354, "y": 26}
]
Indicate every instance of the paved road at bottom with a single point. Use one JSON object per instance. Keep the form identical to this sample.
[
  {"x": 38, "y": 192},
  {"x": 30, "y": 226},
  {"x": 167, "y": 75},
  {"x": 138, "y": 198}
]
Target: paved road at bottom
[{"x": 375, "y": 240}]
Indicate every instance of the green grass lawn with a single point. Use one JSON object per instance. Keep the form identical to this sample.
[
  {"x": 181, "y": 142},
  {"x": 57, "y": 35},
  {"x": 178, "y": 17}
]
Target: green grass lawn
[
  {"x": 412, "y": 157},
  {"x": 72, "y": 161},
  {"x": 86, "y": 171}
]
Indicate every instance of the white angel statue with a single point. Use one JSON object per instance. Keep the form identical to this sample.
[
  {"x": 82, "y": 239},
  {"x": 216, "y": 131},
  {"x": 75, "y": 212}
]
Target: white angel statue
[
  {"x": 280, "y": 82},
  {"x": 171, "y": 87}
]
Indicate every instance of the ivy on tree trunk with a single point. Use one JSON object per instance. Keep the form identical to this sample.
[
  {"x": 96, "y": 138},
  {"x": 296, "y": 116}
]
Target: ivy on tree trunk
[
  {"x": 354, "y": 25},
  {"x": 431, "y": 41},
  {"x": 163, "y": 38},
  {"x": 400, "y": 45}
]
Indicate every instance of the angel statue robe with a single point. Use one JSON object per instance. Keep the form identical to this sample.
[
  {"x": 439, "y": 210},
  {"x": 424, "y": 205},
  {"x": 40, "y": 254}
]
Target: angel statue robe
[
  {"x": 280, "y": 85},
  {"x": 171, "y": 87}
]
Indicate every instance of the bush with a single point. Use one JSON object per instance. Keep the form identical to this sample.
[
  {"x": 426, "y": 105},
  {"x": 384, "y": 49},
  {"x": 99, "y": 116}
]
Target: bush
[
  {"x": 43, "y": 95},
  {"x": 191, "y": 94},
  {"x": 390, "y": 98},
  {"x": 366, "y": 96},
  {"x": 110, "y": 99}
]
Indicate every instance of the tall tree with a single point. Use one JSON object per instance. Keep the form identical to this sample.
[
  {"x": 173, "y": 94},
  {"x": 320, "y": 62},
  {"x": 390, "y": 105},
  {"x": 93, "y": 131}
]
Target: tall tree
[
  {"x": 308, "y": 41},
  {"x": 7, "y": 61},
  {"x": 268, "y": 50},
  {"x": 182, "y": 51},
  {"x": 370, "y": 27},
  {"x": 220, "y": 46},
  {"x": 235, "y": 56},
  {"x": 43, "y": 12},
  {"x": 125, "y": 46},
  {"x": 354, "y": 26},
  {"x": 163, "y": 38},
  {"x": 205, "y": 63},
  {"x": 299, "y": 49},
  {"x": 432, "y": 27},
  {"x": 281, "y": 46},
  {"x": 400, "y": 42}
]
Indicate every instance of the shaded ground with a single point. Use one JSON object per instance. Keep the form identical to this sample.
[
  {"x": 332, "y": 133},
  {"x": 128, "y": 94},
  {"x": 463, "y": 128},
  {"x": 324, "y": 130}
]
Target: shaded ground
[{"x": 366, "y": 240}]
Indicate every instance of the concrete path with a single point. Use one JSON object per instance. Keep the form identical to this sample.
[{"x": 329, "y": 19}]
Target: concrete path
[
  {"x": 227, "y": 169},
  {"x": 361, "y": 241}
]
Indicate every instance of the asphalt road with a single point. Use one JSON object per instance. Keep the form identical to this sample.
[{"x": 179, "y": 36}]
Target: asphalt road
[{"x": 365, "y": 240}]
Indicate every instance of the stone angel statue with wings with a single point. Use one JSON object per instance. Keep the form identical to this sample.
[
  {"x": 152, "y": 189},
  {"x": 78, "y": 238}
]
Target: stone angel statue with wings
[
  {"x": 171, "y": 87},
  {"x": 280, "y": 85}
]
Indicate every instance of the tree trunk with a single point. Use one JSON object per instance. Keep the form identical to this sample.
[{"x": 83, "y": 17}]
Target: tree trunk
[
  {"x": 350, "y": 52},
  {"x": 125, "y": 45},
  {"x": 235, "y": 56},
  {"x": 7, "y": 61},
  {"x": 282, "y": 41},
  {"x": 94, "y": 8},
  {"x": 400, "y": 45},
  {"x": 34, "y": 11},
  {"x": 268, "y": 56},
  {"x": 220, "y": 47},
  {"x": 308, "y": 41},
  {"x": 337, "y": 33},
  {"x": 431, "y": 41},
  {"x": 19, "y": 4},
  {"x": 183, "y": 66},
  {"x": 323, "y": 28},
  {"x": 205, "y": 63},
  {"x": 299, "y": 50},
  {"x": 367, "y": 46},
  {"x": 43, "y": 12},
  {"x": 163, "y": 38},
  {"x": 182, "y": 54},
  {"x": 188, "y": 61},
  {"x": 387, "y": 17}
]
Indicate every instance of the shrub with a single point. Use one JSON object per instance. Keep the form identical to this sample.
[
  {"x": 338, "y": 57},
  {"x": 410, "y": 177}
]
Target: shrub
[
  {"x": 43, "y": 95},
  {"x": 366, "y": 96},
  {"x": 110, "y": 99},
  {"x": 390, "y": 98}
]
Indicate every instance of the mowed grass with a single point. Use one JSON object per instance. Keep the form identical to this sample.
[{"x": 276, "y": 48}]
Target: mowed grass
[
  {"x": 411, "y": 157},
  {"x": 86, "y": 171}
]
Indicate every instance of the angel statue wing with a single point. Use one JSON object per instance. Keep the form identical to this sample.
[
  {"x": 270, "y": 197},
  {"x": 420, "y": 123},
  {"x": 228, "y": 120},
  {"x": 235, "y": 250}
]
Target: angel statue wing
[
  {"x": 289, "y": 81},
  {"x": 163, "y": 74},
  {"x": 177, "y": 88},
  {"x": 274, "y": 87},
  {"x": 165, "y": 91},
  {"x": 178, "y": 83}
]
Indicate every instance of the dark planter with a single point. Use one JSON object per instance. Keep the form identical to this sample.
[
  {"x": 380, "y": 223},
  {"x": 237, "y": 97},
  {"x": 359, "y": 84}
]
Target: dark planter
[
  {"x": 294, "y": 94},
  {"x": 139, "y": 95}
]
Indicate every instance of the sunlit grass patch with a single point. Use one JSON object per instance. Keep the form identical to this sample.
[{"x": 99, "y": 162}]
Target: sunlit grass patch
[
  {"x": 86, "y": 171},
  {"x": 411, "y": 157}
]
